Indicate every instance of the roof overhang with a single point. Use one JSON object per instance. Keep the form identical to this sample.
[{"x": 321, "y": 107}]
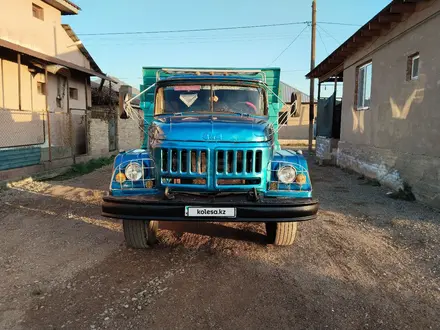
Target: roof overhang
[
  {"x": 394, "y": 13},
  {"x": 58, "y": 69},
  {"x": 81, "y": 47},
  {"x": 51, "y": 59},
  {"x": 65, "y": 6}
]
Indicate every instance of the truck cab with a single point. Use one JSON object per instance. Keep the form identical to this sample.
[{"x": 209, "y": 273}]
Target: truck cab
[{"x": 210, "y": 153}]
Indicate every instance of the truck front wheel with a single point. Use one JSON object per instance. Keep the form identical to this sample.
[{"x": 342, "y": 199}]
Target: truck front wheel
[
  {"x": 281, "y": 233},
  {"x": 139, "y": 234}
]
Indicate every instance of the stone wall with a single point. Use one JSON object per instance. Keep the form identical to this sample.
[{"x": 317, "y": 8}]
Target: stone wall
[{"x": 393, "y": 168}]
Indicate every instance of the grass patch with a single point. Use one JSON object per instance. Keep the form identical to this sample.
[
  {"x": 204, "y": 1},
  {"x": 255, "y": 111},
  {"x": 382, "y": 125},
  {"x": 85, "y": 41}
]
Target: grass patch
[{"x": 85, "y": 168}]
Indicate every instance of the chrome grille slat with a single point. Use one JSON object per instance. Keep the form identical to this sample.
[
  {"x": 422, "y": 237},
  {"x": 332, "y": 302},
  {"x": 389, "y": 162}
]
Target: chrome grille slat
[{"x": 179, "y": 161}]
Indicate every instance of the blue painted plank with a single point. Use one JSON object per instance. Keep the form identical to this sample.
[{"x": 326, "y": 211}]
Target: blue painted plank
[{"x": 20, "y": 157}]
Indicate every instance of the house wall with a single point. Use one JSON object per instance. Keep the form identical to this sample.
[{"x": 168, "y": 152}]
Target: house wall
[
  {"x": 25, "y": 126},
  {"x": 48, "y": 36},
  {"x": 30, "y": 99},
  {"x": 397, "y": 139},
  {"x": 29, "y": 125},
  {"x": 297, "y": 127}
]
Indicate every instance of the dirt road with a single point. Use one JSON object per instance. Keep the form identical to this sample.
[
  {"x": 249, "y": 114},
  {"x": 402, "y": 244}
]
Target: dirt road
[{"x": 368, "y": 262}]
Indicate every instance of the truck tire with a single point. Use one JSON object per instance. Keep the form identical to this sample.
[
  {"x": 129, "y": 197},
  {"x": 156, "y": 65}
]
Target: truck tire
[
  {"x": 281, "y": 233},
  {"x": 139, "y": 234}
]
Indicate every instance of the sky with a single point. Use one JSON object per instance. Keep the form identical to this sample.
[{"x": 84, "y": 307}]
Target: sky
[{"x": 124, "y": 55}]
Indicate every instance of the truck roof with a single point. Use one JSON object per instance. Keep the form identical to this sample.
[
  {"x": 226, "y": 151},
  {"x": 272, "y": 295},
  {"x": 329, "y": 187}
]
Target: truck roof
[{"x": 184, "y": 77}]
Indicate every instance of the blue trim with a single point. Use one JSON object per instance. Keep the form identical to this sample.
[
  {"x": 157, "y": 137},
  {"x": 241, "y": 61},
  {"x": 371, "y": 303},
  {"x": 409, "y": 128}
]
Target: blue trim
[{"x": 19, "y": 157}]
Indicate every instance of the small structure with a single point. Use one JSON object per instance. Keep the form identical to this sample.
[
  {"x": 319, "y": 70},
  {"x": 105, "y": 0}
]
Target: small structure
[
  {"x": 294, "y": 115},
  {"x": 389, "y": 123}
]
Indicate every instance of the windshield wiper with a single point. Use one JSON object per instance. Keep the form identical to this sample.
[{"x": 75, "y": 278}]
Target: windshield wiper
[{"x": 233, "y": 113}]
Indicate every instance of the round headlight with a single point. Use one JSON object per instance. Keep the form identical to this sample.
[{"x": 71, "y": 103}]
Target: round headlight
[
  {"x": 133, "y": 172},
  {"x": 286, "y": 174}
]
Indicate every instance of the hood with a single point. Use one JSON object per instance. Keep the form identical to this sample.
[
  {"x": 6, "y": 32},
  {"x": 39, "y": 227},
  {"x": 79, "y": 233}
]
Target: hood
[{"x": 212, "y": 128}]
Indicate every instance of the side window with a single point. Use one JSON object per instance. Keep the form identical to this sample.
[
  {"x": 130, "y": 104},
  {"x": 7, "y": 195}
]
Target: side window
[
  {"x": 41, "y": 88},
  {"x": 412, "y": 67},
  {"x": 363, "y": 86},
  {"x": 73, "y": 93},
  {"x": 37, "y": 12}
]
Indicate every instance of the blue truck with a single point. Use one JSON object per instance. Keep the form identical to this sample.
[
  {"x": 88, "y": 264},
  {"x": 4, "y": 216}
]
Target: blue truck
[{"x": 210, "y": 153}]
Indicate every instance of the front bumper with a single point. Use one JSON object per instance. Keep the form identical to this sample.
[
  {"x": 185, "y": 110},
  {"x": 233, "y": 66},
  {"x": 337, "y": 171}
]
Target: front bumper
[{"x": 263, "y": 210}]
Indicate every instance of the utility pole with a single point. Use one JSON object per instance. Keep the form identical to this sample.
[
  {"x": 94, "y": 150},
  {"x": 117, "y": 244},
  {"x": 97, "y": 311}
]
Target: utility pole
[{"x": 312, "y": 81}]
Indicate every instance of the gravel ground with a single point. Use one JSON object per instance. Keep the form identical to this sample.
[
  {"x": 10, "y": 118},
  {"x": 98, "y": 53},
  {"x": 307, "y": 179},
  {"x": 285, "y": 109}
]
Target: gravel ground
[{"x": 368, "y": 262}]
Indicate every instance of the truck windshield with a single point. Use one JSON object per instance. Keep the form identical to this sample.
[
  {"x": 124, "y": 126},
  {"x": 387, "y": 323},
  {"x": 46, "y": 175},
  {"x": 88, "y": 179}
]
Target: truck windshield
[{"x": 210, "y": 99}]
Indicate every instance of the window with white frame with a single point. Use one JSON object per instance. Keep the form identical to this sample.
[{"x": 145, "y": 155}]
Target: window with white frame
[
  {"x": 415, "y": 59},
  {"x": 363, "y": 89}
]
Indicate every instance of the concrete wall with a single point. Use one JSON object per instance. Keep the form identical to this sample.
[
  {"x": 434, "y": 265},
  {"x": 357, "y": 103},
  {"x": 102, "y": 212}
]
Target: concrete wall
[
  {"x": 98, "y": 137},
  {"x": 48, "y": 36},
  {"x": 130, "y": 134},
  {"x": 397, "y": 139},
  {"x": 297, "y": 127}
]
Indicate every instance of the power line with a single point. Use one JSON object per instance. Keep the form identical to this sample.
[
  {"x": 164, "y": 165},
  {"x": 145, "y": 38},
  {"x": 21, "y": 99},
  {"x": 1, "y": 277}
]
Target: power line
[
  {"x": 288, "y": 46},
  {"x": 338, "y": 23},
  {"x": 175, "y": 41},
  {"x": 194, "y": 30},
  {"x": 330, "y": 35},
  {"x": 209, "y": 29},
  {"x": 322, "y": 40}
]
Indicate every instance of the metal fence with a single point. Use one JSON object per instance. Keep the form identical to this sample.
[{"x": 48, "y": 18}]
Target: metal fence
[
  {"x": 22, "y": 128},
  {"x": 60, "y": 134}
]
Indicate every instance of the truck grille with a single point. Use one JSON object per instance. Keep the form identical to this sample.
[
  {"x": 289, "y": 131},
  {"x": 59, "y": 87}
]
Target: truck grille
[
  {"x": 239, "y": 161},
  {"x": 216, "y": 169},
  {"x": 175, "y": 160}
]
